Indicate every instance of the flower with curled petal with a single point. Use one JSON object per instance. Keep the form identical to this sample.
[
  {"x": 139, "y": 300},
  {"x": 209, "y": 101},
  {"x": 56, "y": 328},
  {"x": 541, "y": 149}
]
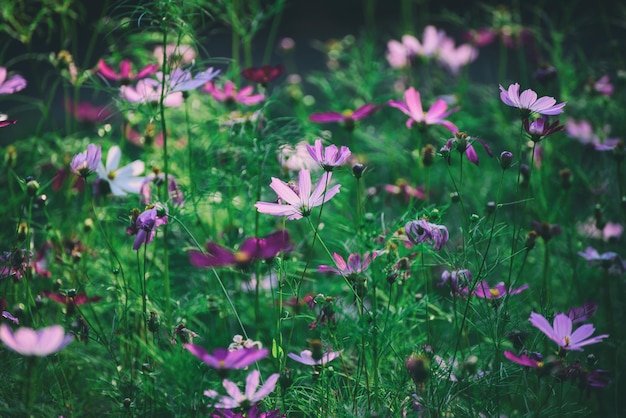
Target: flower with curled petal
[
  {"x": 561, "y": 331},
  {"x": 30, "y": 342},
  {"x": 245, "y": 400},
  {"x": 528, "y": 103},
  {"x": 419, "y": 231},
  {"x": 355, "y": 264}
]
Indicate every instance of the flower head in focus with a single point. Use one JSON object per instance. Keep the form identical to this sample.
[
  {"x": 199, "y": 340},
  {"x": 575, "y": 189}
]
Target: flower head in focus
[
  {"x": 527, "y": 102},
  {"x": 328, "y": 157},
  {"x": 85, "y": 163},
  {"x": 412, "y": 107},
  {"x": 147, "y": 223},
  {"x": 30, "y": 342},
  {"x": 122, "y": 180},
  {"x": 561, "y": 331}
]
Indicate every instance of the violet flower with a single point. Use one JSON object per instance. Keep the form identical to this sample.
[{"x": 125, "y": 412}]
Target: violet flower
[
  {"x": 347, "y": 117},
  {"x": 299, "y": 202},
  {"x": 582, "y": 313},
  {"x": 412, "y": 107},
  {"x": 85, "y": 163},
  {"x": 228, "y": 94},
  {"x": 528, "y": 102},
  {"x": 13, "y": 264},
  {"x": 263, "y": 75},
  {"x": 147, "y": 223},
  {"x": 535, "y": 360},
  {"x": 225, "y": 359},
  {"x": 86, "y": 112},
  {"x": 30, "y": 342},
  {"x": 463, "y": 144},
  {"x": 149, "y": 90},
  {"x": 329, "y": 157},
  {"x": 251, "y": 397},
  {"x": 561, "y": 332},
  {"x": 583, "y": 132},
  {"x": 182, "y": 80},
  {"x": 250, "y": 250},
  {"x": 540, "y": 128},
  {"x": 419, "y": 231},
  {"x": 484, "y": 291},
  {"x": 6, "y": 314},
  {"x": 11, "y": 84},
  {"x": 400, "y": 54},
  {"x": 70, "y": 299},
  {"x": 306, "y": 357},
  {"x": 125, "y": 74},
  {"x": 354, "y": 266},
  {"x": 458, "y": 279},
  {"x": 610, "y": 261}
]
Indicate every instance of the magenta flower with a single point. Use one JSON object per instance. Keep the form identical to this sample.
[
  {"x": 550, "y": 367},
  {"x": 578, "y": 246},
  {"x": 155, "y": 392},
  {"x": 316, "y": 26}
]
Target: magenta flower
[
  {"x": 535, "y": 360},
  {"x": 125, "y": 75},
  {"x": 263, "y": 75},
  {"x": 147, "y": 223},
  {"x": 604, "y": 86},
  {"x": 561, "y": 332},
  {"x": 30, "y": 342},
  {"x": 86, "y": 112},
  {"x": 229, "y": 95},
  {"x": 582, "y": 313},
  {"x": 6, "y": 314},
  {"x": 5, "y": 121},
  {"x": 484, "y": 291},
  {"x": 250, "y": 250},
  {"x": 463, "y": 144},
  {"x": 412, "y": 107},
  {"x": 70, "y": 299},
  {"x": 405, "y": 190},
  {"x": 540, "y": 128},
  {"x": 299, "y": 202},
  {"x": 330, "y": 157},
  {"x": 251, "y": 397},
  {"x": 306, "y": 357},
  {"x": 224, "y": 359},
  {"x": 11, "y": 85},
  {"x": 85, "y": 163},
  {"x": 423, "y": 231},
  {"x": 528, "y": 102},
  {"x": 348, "y": 117},
  {"x": 355, "y": 264}
]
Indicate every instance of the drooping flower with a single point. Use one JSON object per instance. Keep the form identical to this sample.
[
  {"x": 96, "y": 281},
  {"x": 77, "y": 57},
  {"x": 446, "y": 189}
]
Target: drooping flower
[
  {"x": 70, "y": 299},
  {"x": 30, "y": 342},
  {"x": 125, "y": 74},
  {"x": 85, "y": 163},
  {"x": 355, "y": 265},
  {"x": 299, "y": 202},
  {"x": 541, "y": 128},
  {"x": 158, "y": 178},
  {"x": 528, "y": 103},
  {"x": 251, "y": 397},
  {"x": 149, "y": 90},
  {"x": 561, "y": 332},
  {"x": 329, "y": 157},
  {"x": 419, "y": 231},
  {"x": 412, "y": 107},
  {"x": 122, "y": 180},
  {"x": 225, "y": 359},
  {"x": 347, "y": 117},
  {"x": 250, "y": 250},
  {"x": 263, "y": 75},
  {"x": 228, "y": 94},
  {"x": 458, "y": 280},
  {"x": 463, "y": 144},
  {"x": 306, "y": 357},
  {"x": 484, "y": 291},
  {"x": 535, "y": 360},
  {"x": 147, "y": 223},
  {"x": 11, "y": 84}
]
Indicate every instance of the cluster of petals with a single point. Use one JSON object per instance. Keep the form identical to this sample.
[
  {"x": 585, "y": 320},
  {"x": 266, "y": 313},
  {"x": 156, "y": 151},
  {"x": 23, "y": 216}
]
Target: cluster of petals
[
  {"x": 125, "y": 74},
  {"x": 87, "y": 162},
  {"x": 298, "y": 203},
  {"x": 264, "y": 74},
  {"x": 122, "y": 180},
  {"x": 484, "y": 291},
  {"x": 12, "y": 84},
  {"x": 528, "y": 101},
  {"x": 348, "y": 117},
  {"x": 541, "y": 128},
  {"x": 251, "y": 395},
  {"x": 582, "y": 131},
  {"x": 30, "y": 342},
  {"x": 150, "y": 90},
  {"x": 147, "y": 223},
  {"x": 534, "y": 360},
  {"x": 419, "y": 231},
  {"x": 228, "y": 94},
  {"x": 412, "y": 107},
  {"x": 250, "y": 250},
  {"x": 306, "y": 357},
  {"x": 458, "y": 280},
  {"x": 561, "y": 331},
  {"x": 355, "y": 264},
  {"x": 225, "y": 359},
  {"x": 610, "y": 231},
  {"x": 329, "y": 157}
]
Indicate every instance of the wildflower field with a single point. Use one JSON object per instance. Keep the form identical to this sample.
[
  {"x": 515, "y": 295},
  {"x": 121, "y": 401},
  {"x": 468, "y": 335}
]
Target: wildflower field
[{"x": 208, "y": 212}]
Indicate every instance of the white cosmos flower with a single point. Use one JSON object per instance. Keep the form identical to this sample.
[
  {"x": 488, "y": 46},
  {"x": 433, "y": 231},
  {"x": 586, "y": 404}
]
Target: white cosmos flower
[{"x": 122, "y": 180}]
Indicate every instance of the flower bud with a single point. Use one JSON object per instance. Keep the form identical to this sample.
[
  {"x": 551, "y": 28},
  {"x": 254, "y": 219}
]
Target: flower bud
[
  {"x": 10, "y": 156},
  {"x": 22, "y": 231},
  {"x": 428, "y": 155},
  {"x": 358, "y": 170},
  {"x": 32, "y": 186},
  {"x": 506, "y": 159},
  {"x": 317, "y": 352},
  {"x": 418, "y": 367},
  {"x": 454, "y": 197},
  {"x": 491, "y": 207},
  {"x": 531, "y": 240}
]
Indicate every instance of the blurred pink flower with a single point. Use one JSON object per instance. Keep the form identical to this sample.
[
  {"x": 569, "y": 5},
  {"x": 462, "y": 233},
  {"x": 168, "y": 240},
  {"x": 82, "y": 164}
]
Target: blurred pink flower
[
  {"x": 176, "y": 54},
  {"x": 86, "y": 112},
  {"x": 400, "y": 54},
  {"x": 125, "y": 75},
  {"x": 604, "y": 86},
  {"x": 296, "y": 158},
  {"x": 584, "y": 133},
  {"x": 252, "y": 396},
  {"x": 30, "y": 342},
  {"x": 453, "y": 57},
  {"x": 355, "y": 265},
  {"x": 12, "y": 84},
  {"x": 225, "y": 359},
  {"x": 228, "y": 94},
  {"x": 149, "y": 91},
  {"x": 348, "y": 117},
  {"x": 306, "y": 357}
]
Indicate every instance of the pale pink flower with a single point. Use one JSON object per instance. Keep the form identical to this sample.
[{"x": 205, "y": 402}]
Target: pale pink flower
[
  {"x": 604, "y": 86},
  {"x": 149, "y": 90},
  {"x": 412, "y": 107},
  {"x": 251, "y": 396},
  {"x": 228, "y": 94},
  {"x": 296, "y": 158},
  {"x": 328, "y": 157},
  {"x": 11, "y": 84},
  {"x": 561, "y": 331},
  {"x": 306, "y": 357},
  {"x": 30, "y": 342},
  {"x": 528, "y": 102}
]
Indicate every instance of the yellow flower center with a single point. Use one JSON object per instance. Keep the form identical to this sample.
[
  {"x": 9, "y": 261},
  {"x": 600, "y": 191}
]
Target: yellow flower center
[
  {"x": 112, "y": 175},
  {"x": 494, "y": 292},
  {"x": 241, "y": 257},
  {"x": 347, "y": 113},
  {"x": 567, "y": 341}
]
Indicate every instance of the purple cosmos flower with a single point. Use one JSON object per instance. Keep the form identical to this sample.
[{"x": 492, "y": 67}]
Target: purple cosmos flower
[
  {"x": 582, "y": 313},
  {"x": 175, "y": 194},
  {"x": 229, "y": 95},
  {"x": 535, "y": 360},
  {"x": 251, "y": 413},
  {"x": 604, "y": 86},
  {"x": 419, "y": 231},
  {"x": 484, "y": 291},
  {"x": 30, "y": 342},
  {"x": 125, "y": 75},
  {"x": 412, "y": 107},
  {"x": 6, "y": 314},
  {"x": 147, "y": 223},
  {"x": 11, "y": 85},
  {"x": 355, "y": 264},
  {"x": 250, "y": 250},
  {"x": 224, "y": 359},
  {"x": 263, "y": 75},
  {"x": 458, "y": 279},
  {"x": 609, "y": 260},
  {"x": 348, "y": 117},
  {"x": 148, "y": 90},
  {"x": 561, "y": 332},
  {"x": 463, "y": 144},
  {"x": 306, "y": 357},
  {"x": 540, "y": 128},
  {"x": 182, "y": 80},
  {"x": 528, "y": 102},
  {"x": 252, "y": 396},
  {"x": 330, "y": 157},
  {"x": 299, "y": 202},
  {"x": 85, "y": 163}
]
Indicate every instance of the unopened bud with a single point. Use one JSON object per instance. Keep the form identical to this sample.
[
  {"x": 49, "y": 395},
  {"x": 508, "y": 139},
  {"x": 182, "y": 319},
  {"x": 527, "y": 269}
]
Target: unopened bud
[
  {"x": 428, "y": 155},
  {"x": 506, "y": 159},
  {"x": 22, "y": 231},
  {"x": 358, "y": 170},
  {"x": 32, "y": 187},
  {"x": 491, "y": 207},
  {"x": 316, "y": 349},
  {"x": 531, "y": 240},
  {"x": 566, "y": 178},
  {"x": 418, "y": 367},
  {"x": 454, "y": 197},
  {"x": 10, "y": 156}
]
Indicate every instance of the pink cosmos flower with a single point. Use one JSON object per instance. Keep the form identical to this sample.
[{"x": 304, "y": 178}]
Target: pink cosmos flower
[
  {"x": 423, "y": 231},
  {"x": 561, "y": 332},
  {"x": 480, "y": 37},
  {"x": 403, "y": 189},
  {"x": 412, "y": 107},
  {"x": 306, "y": 357},
  {"x": 251, "y": 396},
  {"x": 149, "y": 91},
  {"x": 125, "y": 75},
  {"x": 228, "y": 94},
  {"x": 330, "y": 157},
  {"x": 347, "y": 117},
  {"x": 453, "y": 57},
  {"x": 534, "y": 361},
  {"x": 484, "y": 291},
  {"x": 70, "y": 299},
  {"x": 528, "y": 102},
  {"x": 250, "y": 250},
  {"x": 225, "y": 359},
  {"x": 604, "y": 86},
  {"x": 400, "y": 54},
  {"x": 583, "y": 132},
  {"x": 86, "y": 112},
  {"x": 610, "y": 231},
  {"x": 263, "y": 75},
  {"x": 299, "y": 202},
  {"x": 355, "y": 264},
  {"x": 87, "y": 162},
  {"x": 11, "y": 85},
  {"x": 30, "y": 342},
  {"x": 541, "y": 128}
]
